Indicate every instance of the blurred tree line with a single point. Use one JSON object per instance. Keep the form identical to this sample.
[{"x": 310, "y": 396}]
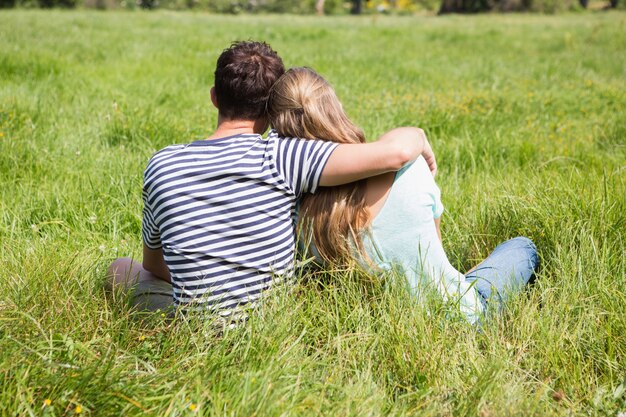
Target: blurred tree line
[
  {"x": 318, "y": 6},
  {"x": 216, "y": 6}
]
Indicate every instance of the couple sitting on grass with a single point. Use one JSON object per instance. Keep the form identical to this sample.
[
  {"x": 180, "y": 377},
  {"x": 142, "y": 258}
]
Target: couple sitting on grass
[{"x": 222, "y": 215}]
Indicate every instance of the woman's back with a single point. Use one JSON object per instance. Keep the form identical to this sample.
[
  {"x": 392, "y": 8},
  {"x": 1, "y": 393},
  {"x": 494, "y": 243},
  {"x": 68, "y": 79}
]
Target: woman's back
[{"x": 402, "y": 235}]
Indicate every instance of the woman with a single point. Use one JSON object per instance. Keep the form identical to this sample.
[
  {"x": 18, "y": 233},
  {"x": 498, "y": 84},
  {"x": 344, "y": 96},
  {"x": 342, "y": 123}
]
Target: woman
[{"x": 392, "y": 220}]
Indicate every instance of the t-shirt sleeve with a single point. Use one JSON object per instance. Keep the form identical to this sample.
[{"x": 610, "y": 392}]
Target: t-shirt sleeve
[
  {"x": 149, "y": 229},
  {"x": 302, "y": 161}
]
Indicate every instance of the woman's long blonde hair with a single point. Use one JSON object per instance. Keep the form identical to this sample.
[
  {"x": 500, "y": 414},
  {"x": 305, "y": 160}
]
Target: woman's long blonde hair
[{"x": 303, "y": 105}]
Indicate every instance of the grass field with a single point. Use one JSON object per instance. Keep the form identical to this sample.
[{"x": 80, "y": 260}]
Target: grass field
[{"x": 527, "y": 115}]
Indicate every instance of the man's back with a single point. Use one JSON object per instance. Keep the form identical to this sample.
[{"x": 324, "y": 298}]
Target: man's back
[{"x": 222, "y": 211}]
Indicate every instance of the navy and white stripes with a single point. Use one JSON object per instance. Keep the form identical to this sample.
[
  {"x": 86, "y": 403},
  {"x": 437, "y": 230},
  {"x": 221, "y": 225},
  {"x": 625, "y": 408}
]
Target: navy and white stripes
[{"x": 223, "y": 210}]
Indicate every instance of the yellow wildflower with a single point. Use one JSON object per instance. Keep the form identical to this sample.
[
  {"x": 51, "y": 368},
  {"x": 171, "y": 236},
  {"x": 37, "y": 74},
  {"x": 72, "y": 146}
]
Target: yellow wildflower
[
  {"x": 47, "y": 402},
  {"x": 192, "y": 407},
  {"x": 78, "y": 409}
]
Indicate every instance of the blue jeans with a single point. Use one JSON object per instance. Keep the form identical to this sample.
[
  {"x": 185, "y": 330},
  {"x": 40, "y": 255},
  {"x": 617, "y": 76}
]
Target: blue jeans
[{"x": 506, "y": 271}]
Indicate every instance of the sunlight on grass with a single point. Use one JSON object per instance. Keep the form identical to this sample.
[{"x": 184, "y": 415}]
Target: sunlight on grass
[{"x": 526, "y": 115}]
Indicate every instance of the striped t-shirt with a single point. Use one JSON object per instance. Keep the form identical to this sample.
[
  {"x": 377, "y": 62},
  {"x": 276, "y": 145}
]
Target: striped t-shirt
[{"x": 223, "y": 210}]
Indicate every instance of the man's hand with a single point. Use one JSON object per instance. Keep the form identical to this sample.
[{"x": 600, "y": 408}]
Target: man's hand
[
  {"x": 429, "y": 157},
  {"x": 426, "y": 150},
  {"x": 392, "y": 151}
]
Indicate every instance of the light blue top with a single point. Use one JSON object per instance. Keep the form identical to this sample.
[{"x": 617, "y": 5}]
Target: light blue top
[{"x": 403, "y": 236}]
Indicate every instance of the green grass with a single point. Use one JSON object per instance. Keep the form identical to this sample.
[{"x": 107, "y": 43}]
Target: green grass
[{"x": 527, "y": 115}]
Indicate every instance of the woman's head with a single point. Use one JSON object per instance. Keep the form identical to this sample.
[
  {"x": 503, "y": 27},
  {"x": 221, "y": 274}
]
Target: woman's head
[{"x": 302, "y": 104}]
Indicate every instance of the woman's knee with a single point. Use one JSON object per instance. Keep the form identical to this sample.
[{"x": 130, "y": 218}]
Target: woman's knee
[
  {"x": 519, "y": 248},
  {"x": 527, "y": 246}
]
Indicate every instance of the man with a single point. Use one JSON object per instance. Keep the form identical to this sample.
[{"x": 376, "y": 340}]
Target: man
[{"x": 218, "y": 221}]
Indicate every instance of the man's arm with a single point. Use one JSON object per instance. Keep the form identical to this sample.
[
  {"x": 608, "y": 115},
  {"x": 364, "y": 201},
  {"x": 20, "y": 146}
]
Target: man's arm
[
  {"x": 153, "y": 262},
  {"x": 392, "y": 151}
]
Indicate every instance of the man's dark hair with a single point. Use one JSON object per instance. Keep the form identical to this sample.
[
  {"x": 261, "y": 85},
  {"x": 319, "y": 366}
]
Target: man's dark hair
[{"x": 244, "y": 74}]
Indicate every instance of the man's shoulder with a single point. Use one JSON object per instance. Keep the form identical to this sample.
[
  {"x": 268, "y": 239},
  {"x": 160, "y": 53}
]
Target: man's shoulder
[
  {"x": 275, "y": 137},
  {"x": 168, "y": 150},
  {"x": 160, "y": 159},
  {"x": 206, "y": 149},
  {"x": 203, "y": 144}
]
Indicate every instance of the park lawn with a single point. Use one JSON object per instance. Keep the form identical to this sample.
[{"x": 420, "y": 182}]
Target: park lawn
[{"x": 527, "y": 115}]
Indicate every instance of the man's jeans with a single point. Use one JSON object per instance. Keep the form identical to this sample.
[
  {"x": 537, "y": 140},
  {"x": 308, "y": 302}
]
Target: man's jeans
[{"x": 506, "y": 271}]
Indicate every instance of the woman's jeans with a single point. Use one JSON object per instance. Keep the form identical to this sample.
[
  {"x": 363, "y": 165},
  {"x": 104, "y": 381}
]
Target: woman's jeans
[{"x": 506, "y": 271}]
